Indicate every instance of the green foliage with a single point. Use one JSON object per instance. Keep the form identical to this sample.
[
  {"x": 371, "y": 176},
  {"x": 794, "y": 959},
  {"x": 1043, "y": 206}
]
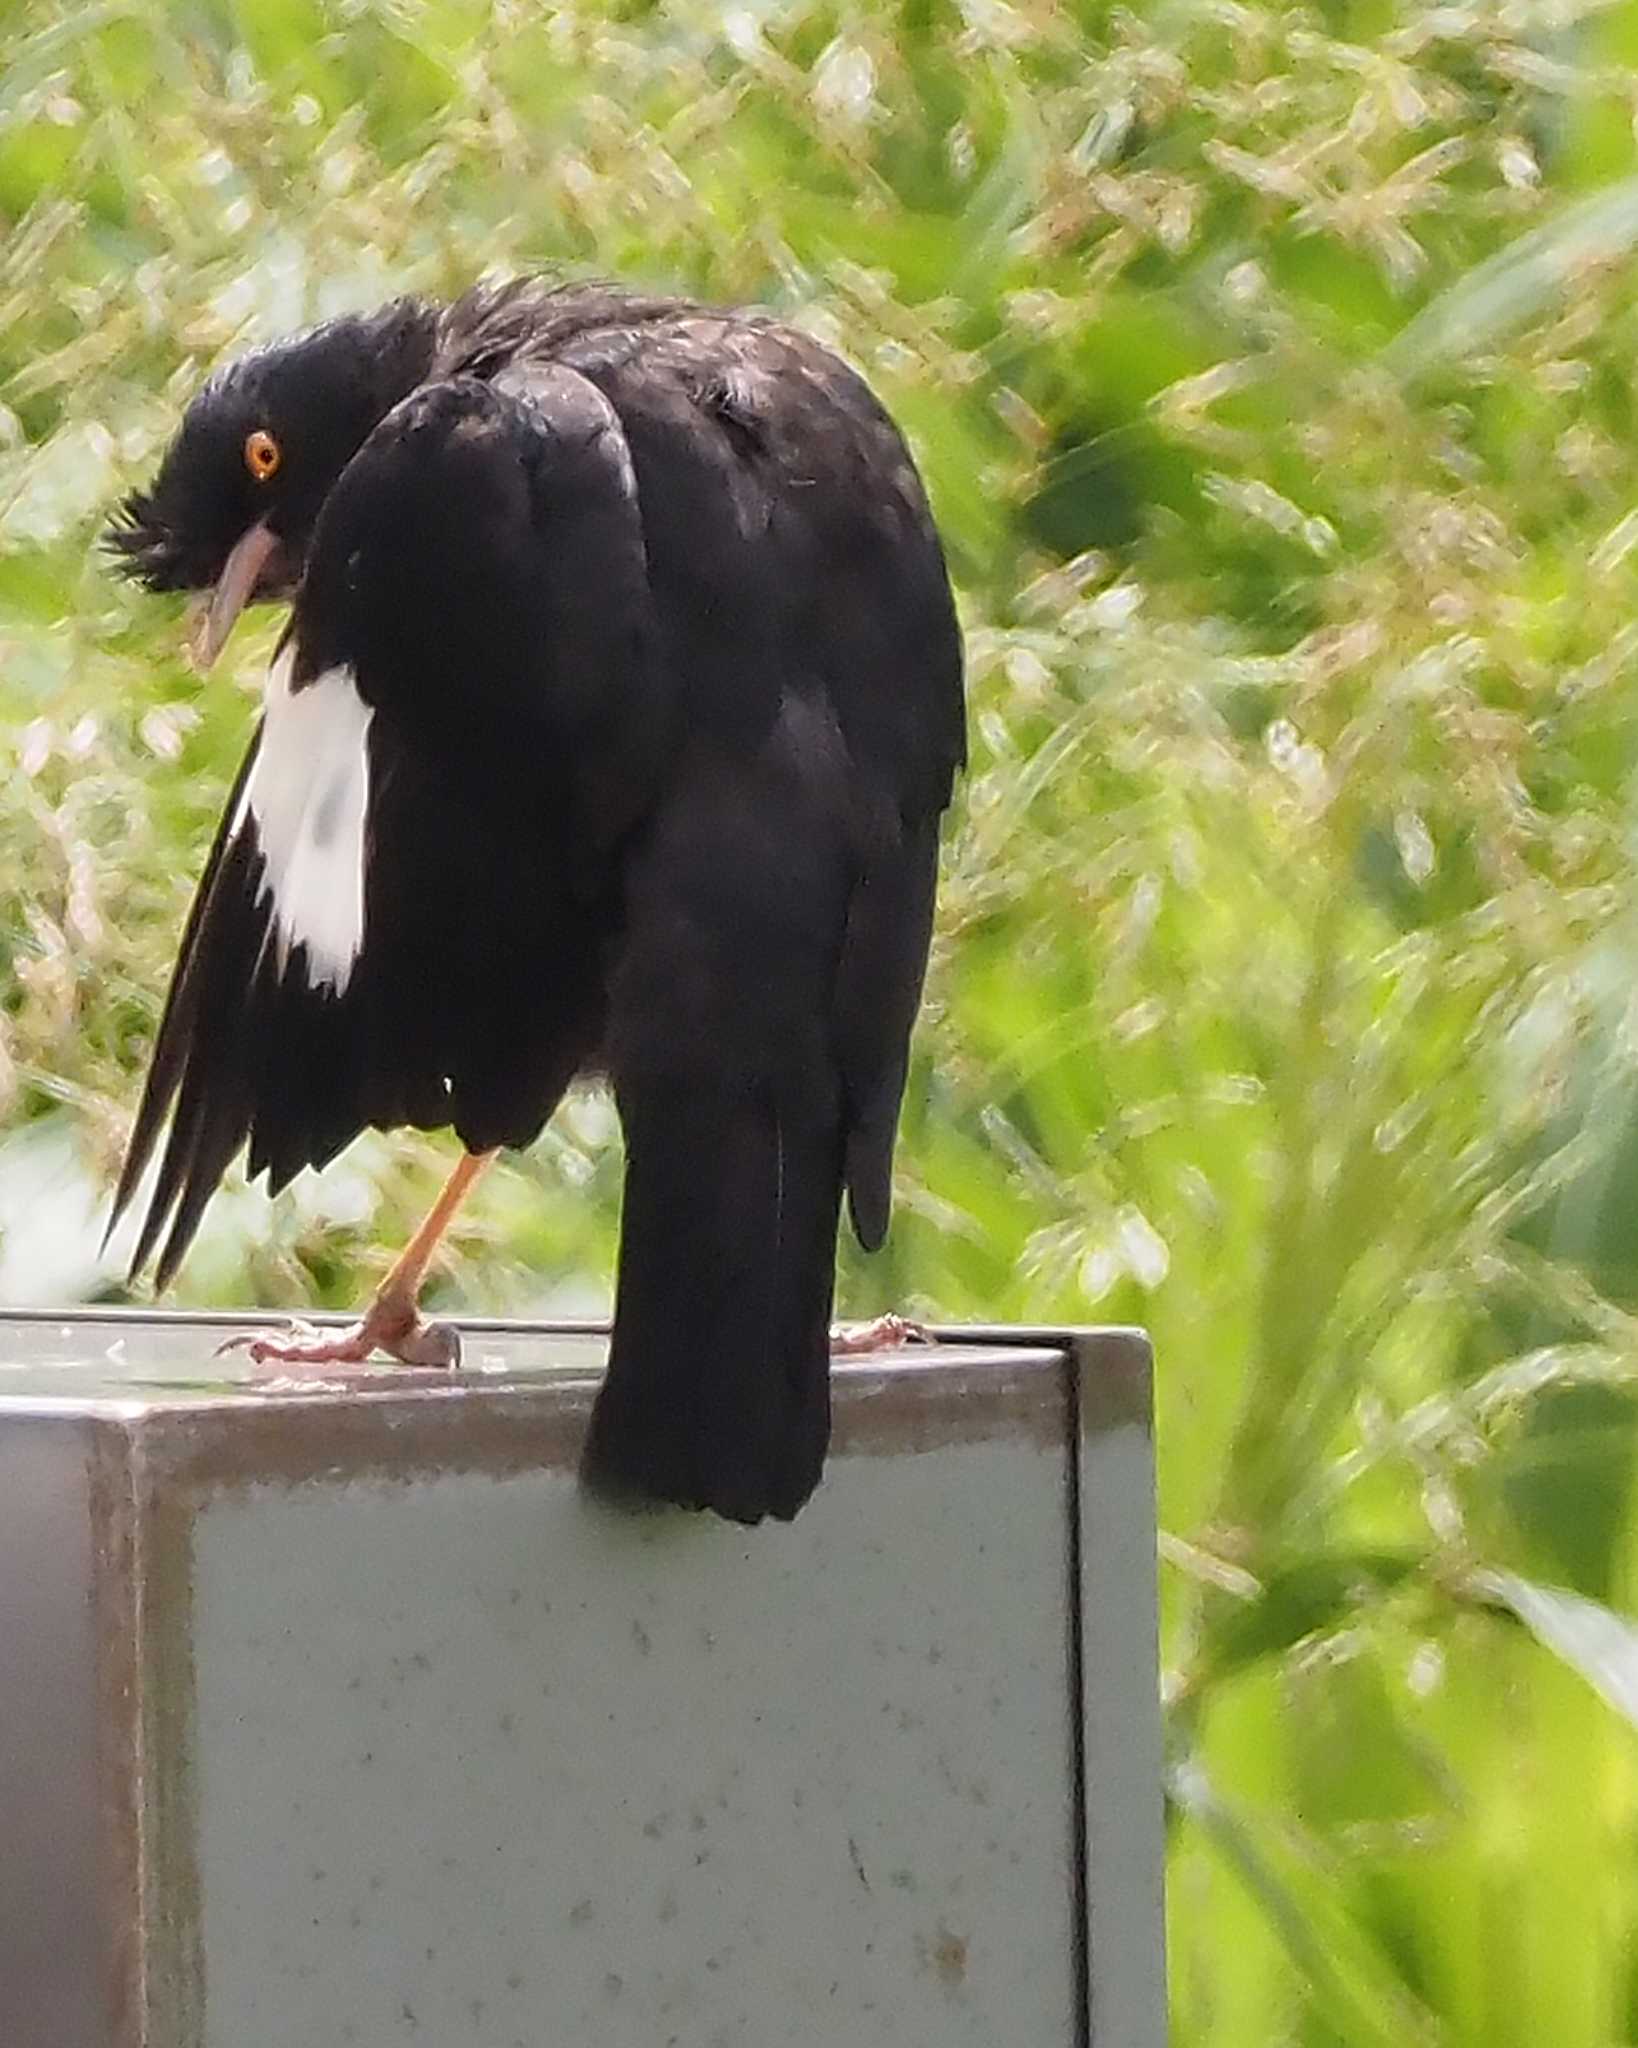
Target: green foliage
[{"x": 1272, "y": 371}]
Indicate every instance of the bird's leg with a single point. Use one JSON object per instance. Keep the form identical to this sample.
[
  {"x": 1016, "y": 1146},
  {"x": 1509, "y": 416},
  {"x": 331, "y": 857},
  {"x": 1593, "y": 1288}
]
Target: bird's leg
[
  {"x": 393, "y": 1321},
  {"x": 881, "y": 1333}
]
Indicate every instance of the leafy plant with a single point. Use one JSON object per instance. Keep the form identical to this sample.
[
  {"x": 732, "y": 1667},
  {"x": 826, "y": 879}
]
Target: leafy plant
[{"x": 1272, "y": 371}]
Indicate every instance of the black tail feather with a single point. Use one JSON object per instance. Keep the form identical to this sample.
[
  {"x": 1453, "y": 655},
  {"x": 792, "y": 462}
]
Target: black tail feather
[{"x": 718, "y": 1388}]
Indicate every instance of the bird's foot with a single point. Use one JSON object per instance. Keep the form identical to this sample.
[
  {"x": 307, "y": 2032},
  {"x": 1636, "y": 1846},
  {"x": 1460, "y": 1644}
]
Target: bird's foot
[
  {"x": 388, "y": 1325},
  {"x": 881, "y": 1333}
]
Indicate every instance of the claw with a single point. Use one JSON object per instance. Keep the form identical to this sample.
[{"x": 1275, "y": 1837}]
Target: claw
[
  {"x": 254, "y": 1341},
  {"x": 881, "y": 1333},
  {"x": 393, "y": 1322},
  {"x": 439, "y": 1344},
  {"x": 303, "y": 1345},
  {"x": 386, "y": 1327}
]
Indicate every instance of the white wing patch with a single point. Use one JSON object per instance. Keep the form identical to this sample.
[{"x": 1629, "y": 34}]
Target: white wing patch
[{"x": 309, "y": 793}]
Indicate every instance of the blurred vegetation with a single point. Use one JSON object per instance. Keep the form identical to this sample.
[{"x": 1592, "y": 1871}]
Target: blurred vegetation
[{"x": 1273, "y": 368}]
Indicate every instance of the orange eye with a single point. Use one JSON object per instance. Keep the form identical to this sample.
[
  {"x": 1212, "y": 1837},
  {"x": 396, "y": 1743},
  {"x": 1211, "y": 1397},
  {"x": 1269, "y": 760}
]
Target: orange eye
[{"x": 262, "y": 456}]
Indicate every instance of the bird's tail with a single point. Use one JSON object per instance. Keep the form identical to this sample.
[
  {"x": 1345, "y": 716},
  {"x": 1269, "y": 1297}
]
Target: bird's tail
[{"x": 718, "y": 1387}]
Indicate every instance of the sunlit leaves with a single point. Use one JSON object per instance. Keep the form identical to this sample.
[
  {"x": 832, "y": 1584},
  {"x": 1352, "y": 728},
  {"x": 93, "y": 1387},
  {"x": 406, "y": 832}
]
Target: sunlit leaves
[{"x": 1271, "y": 370}]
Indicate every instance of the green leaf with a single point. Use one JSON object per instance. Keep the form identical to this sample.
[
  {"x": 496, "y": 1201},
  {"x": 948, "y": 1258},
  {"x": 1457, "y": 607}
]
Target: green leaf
[
  {"x": 1355, "y": 1990},
  {"x": 1518, "y": 283},
  {"x": 1299, "y": 1599},
  {"x": 1590, "y": 1637}
]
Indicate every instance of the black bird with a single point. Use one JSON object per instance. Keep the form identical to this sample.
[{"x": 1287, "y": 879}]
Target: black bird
[{"x": 609, "y": 733}]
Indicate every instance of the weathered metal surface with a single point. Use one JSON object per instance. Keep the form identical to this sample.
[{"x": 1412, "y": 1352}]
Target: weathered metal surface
[
  {"x": 1123, "y": 1858},
  {"x": 365, "y": 1729},
  {"x": 50, "y": 1846}
]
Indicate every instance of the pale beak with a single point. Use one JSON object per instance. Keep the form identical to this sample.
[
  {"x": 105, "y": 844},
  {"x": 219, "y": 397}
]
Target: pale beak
[{"x": 234, "y": 589}]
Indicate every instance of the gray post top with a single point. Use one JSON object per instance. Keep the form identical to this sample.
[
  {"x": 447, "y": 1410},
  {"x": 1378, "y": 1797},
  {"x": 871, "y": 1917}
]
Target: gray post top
[
  {"x": 338, "y": 1701},
  {"x": 129, "y": 1366}
]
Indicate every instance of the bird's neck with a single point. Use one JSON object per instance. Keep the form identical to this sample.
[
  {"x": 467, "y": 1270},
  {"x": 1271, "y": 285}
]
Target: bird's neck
[{"x": 405, "y": 338}]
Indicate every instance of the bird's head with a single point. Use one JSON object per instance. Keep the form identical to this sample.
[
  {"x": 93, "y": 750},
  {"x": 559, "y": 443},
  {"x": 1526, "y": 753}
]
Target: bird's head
[{"x": 240, "y": 488}]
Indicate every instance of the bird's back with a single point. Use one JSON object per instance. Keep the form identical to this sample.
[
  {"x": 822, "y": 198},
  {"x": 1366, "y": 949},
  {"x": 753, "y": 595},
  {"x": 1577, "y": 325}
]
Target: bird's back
[{"x": 789, "y": 539}]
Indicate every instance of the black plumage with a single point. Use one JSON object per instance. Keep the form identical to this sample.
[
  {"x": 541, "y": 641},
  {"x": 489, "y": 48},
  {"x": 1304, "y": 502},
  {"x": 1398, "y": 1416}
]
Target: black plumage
[{"x": 610, "y": 732}]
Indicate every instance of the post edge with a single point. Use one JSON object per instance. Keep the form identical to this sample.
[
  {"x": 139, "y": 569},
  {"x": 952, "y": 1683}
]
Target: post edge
[{"x": 1118, "y": 1661}]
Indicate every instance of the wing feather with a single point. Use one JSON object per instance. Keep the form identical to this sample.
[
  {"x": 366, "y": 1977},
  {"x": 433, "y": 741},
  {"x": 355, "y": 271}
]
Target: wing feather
[
  {"x": 878, "y": 990},
  {"x": 256, "y": 1045},
  {"x": 791, "y": 537},
  {"x": 177, "y": 1021}
]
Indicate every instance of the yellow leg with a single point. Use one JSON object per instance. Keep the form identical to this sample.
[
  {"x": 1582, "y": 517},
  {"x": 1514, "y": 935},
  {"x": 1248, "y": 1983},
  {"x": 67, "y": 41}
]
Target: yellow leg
[
  {"x": 402, "y": 1286},
  {"x": 393, "y": 1321}
]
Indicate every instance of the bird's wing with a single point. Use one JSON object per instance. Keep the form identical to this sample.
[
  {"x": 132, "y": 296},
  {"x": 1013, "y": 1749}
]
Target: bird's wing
[
  {"x": 400, "y": 918},
  {"x": 288, "y": 1022},
  {"x": 793, "y": 554},
  {"x": 878, "y": 992},
  {"x": 887, "y": 644},
  {"x": 779, "y": 907}
]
